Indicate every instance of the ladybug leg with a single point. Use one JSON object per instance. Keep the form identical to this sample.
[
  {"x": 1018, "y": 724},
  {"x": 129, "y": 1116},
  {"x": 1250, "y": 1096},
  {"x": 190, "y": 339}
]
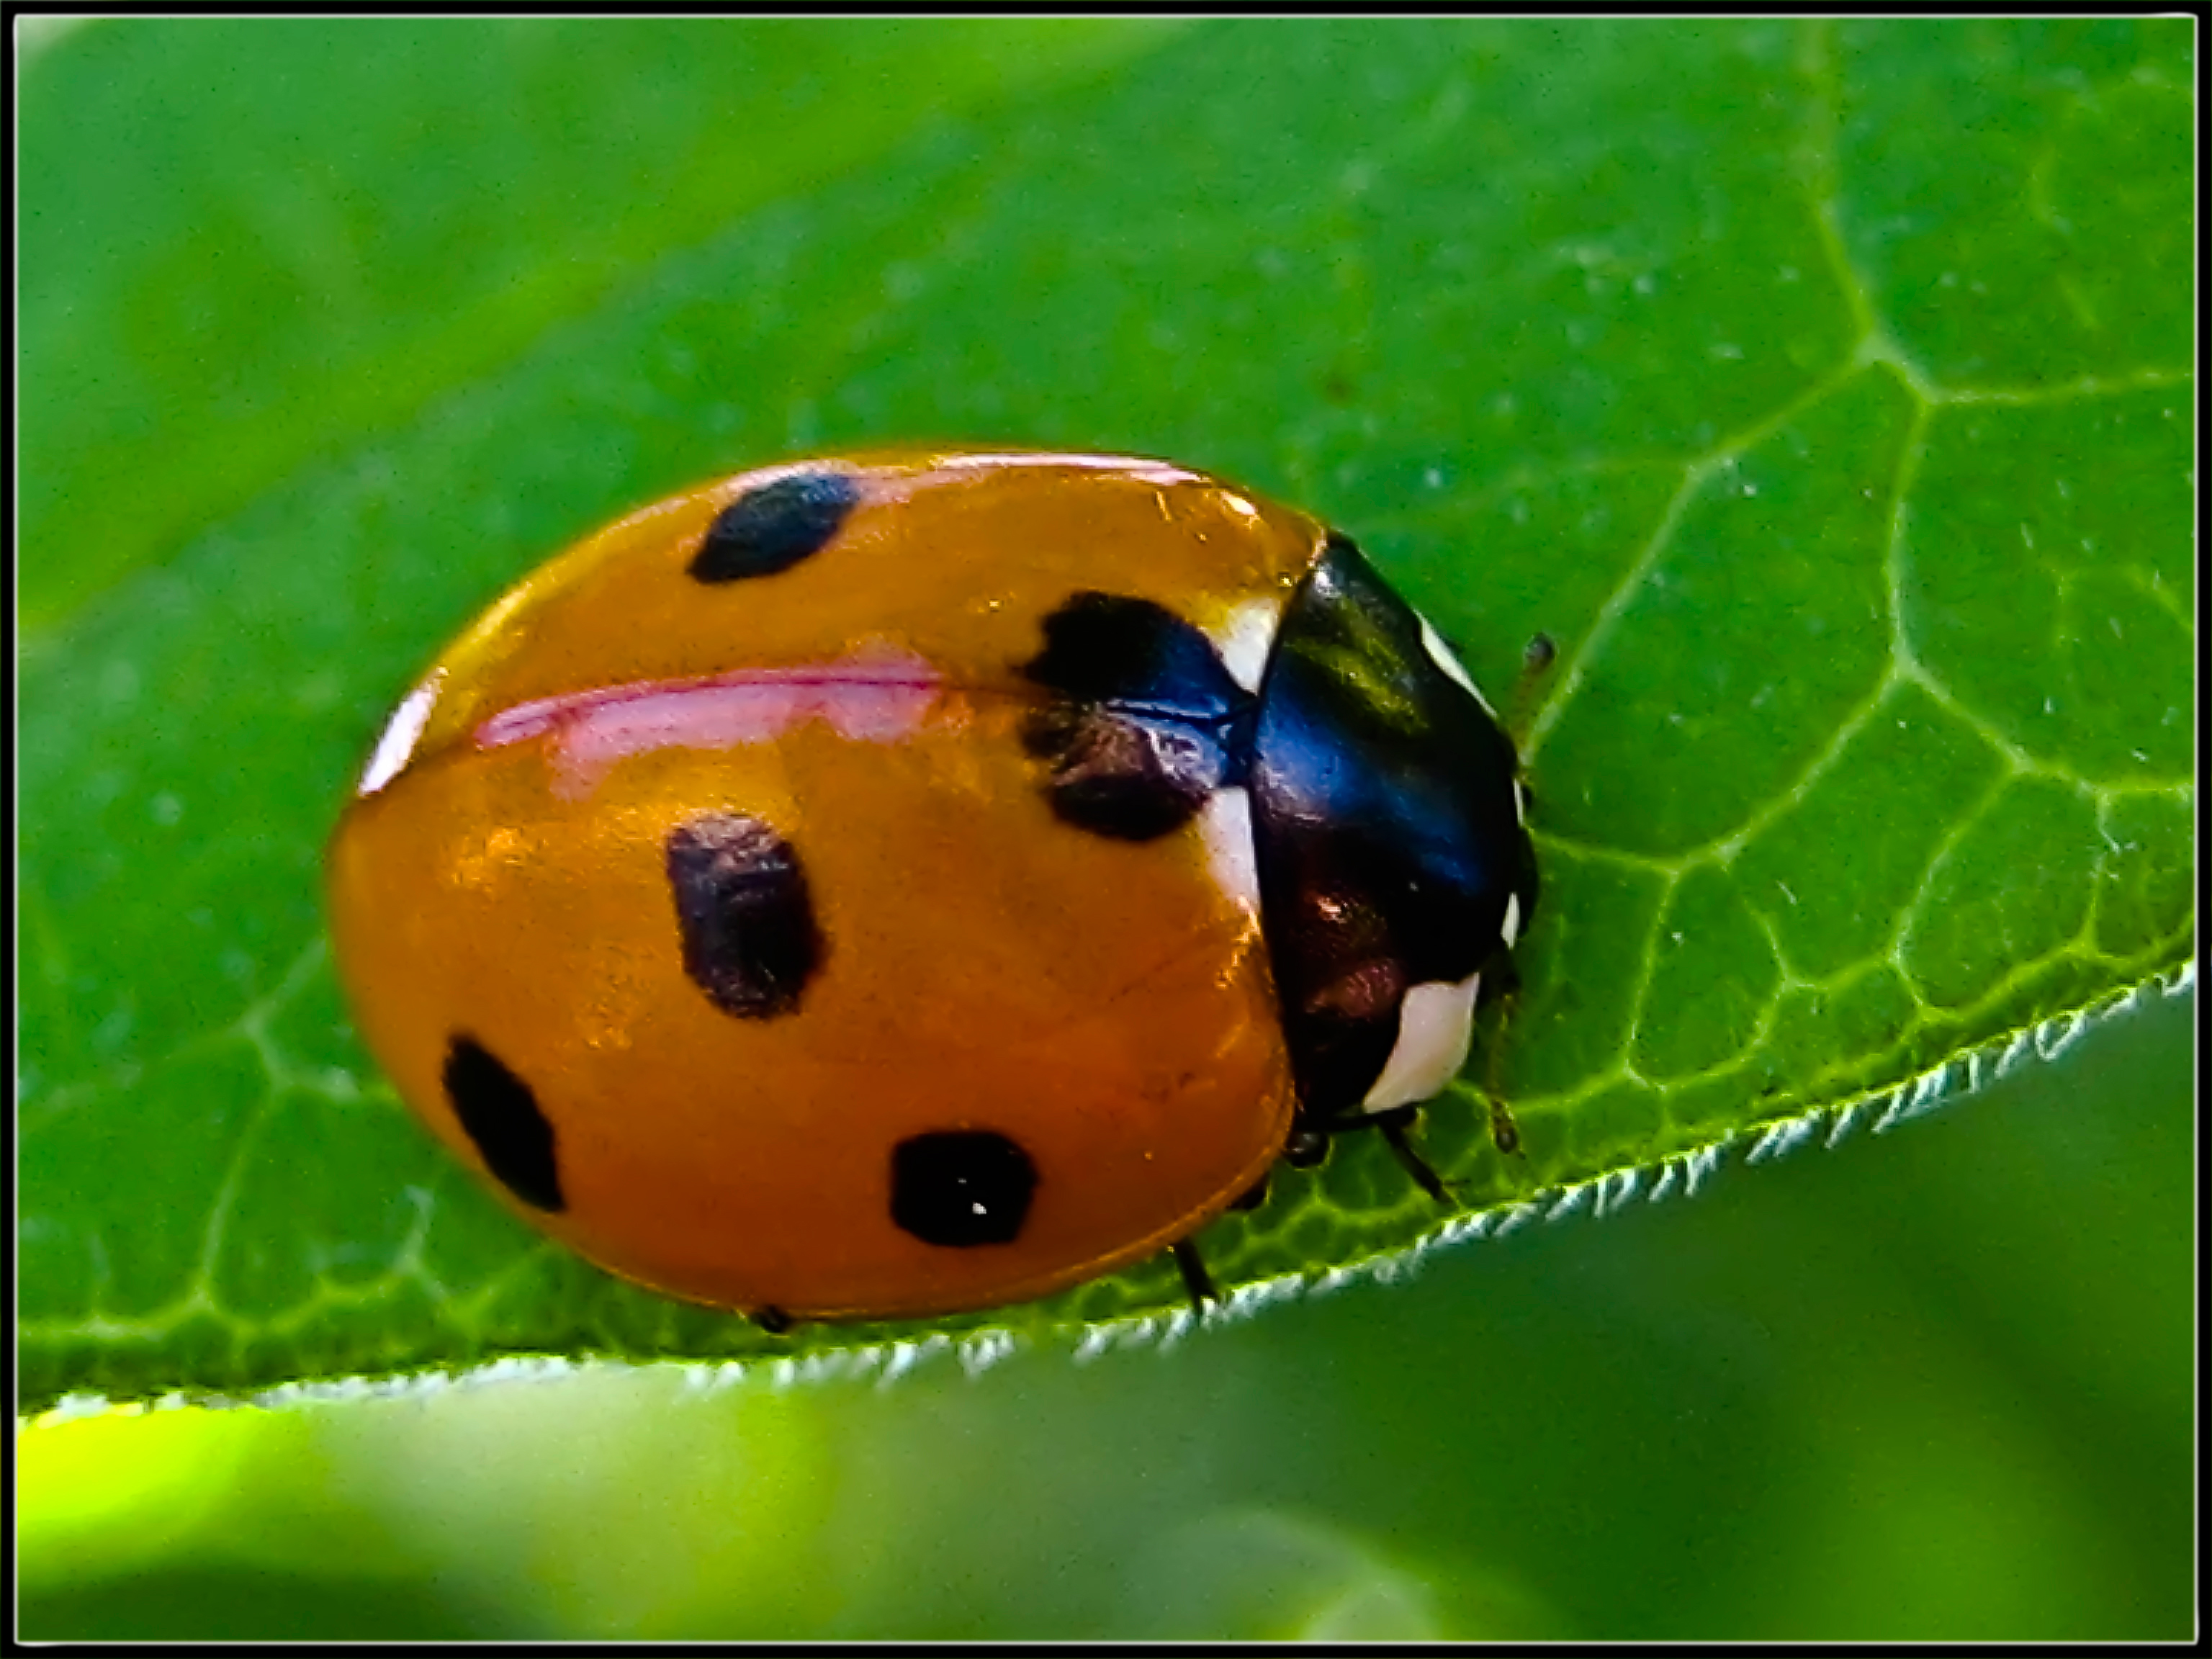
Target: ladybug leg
[
  {"x": 1501, "y": 986},
  {"x": 1501, "y": 981},
  {"x": 1504, "y": 1133},
  {"x": 1308, "y": 1146},
  {"x": 1196, "y": 1278},
  {"x": 1394, "y": 1125},
  {"x": 774, "y": 1321},
  {"x": 1536, "y": 660}
]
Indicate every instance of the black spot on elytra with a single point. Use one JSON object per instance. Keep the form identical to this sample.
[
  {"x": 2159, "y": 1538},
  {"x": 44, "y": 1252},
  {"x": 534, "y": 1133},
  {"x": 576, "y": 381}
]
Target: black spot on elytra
[
  {"x": 1144, "y": 722},
  {"x": 772, "y": 528},
  {"x": 962, "y": 1187},
  {"x": 744, "y": 913},
  {"x": 499, "y": 1113}
]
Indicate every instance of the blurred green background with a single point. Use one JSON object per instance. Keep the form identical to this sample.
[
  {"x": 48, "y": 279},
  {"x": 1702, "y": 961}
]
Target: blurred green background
[{"x": 1933, "y": 1385}]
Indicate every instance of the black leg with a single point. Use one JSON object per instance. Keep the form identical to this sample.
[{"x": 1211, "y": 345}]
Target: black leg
[
  {"x": 1504, "y": 1133},
  {"x": 1196, "y": 1278},
  {"x": 1535, "y": 663},
  {"x": 1501, "y": 981},
  {"x": 1308, "y": 1146},
  {"x": 774, "y": 1321},
  {"x": 1394, "y": 1125}
]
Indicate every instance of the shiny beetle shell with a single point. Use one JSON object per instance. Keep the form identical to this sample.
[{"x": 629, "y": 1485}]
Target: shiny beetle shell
[{"x": 914, "y": 882}]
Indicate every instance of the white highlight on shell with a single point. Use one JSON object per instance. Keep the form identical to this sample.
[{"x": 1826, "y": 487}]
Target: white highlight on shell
[
  {"x": 1435, "y": 1023},
  {"x": 872, "y": 695},
  {"x": 396, "y": 747},
  {"x": 1246, "y": 640},
  {"x": 1441, "y": 654},
  {"x": 1511, "y": 930},
  {"x": 1139, "y": 467},
  {"x": 1231, "y": 851}
]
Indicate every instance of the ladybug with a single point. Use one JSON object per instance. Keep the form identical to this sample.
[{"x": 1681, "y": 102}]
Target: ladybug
[{"x": 920, "y": 881}]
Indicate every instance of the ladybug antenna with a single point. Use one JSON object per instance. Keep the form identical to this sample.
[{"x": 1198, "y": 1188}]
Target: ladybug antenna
[{"x": 1536, "y": 660}]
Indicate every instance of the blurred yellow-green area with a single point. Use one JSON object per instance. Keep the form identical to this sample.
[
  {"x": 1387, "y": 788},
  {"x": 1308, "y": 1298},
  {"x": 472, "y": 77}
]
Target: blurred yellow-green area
[{"x": 1934, "y": 1385}]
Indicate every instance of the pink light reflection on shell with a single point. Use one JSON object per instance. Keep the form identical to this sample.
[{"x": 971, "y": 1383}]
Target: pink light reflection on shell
[{"x": 868, "y": 698}]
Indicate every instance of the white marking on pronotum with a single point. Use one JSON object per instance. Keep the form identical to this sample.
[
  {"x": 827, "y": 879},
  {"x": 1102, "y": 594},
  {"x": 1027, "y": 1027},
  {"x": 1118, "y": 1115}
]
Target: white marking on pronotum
[
  {"x": 401, "y": 733},
  {"x": 1435, "y": 1024},
  {"x": 1245, "y": 641},
  {"x": 1231, "y": 851},
  {"x": 1511, "y": 929},
  {"x": 1441, "y": 654}
]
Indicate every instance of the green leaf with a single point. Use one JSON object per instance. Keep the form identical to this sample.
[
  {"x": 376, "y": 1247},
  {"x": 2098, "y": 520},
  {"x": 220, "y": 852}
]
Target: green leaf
[{"x": 1824, "y": 390}]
